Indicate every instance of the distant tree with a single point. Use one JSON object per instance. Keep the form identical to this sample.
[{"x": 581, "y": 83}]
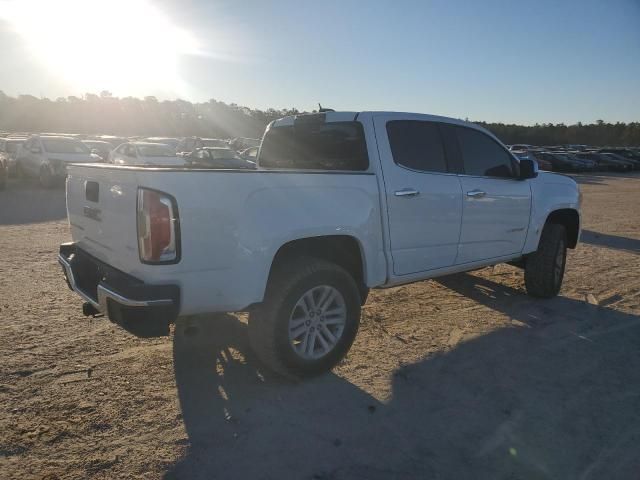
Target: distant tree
[{"x": 106, "y": 114}]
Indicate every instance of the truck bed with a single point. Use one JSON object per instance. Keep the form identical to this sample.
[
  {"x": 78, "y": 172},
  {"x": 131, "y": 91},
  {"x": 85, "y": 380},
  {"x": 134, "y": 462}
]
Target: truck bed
[{"x": 231, "y": 222}]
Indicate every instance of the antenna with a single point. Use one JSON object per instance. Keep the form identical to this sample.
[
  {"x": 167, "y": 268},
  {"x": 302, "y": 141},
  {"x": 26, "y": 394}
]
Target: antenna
[{"x": 322, "y": 110}]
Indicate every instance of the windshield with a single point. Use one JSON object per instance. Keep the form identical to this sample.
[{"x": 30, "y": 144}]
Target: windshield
[
  {"x": 155, "y": 151},
  {"x": 64, "y": 145}
]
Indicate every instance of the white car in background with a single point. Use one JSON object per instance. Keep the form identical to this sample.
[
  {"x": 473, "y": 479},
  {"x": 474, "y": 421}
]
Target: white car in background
[
  {"x": 47, "y": 157},
  {"x": 146, "y": 154},
  {"x": 250, "y": 154},
  {"x": 9, "y": 147}
]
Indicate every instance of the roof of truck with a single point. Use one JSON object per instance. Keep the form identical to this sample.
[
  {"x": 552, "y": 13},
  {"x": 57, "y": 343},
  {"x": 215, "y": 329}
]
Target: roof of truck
[
  {"x": 349, "y": 116},
  {"x": 352, "y": 116}
]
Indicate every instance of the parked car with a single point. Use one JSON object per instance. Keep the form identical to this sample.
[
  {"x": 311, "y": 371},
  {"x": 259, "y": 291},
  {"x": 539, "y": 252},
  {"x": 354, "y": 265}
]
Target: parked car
[
  {"x": 114, "y": 141},
  {"x": 241, "y": 143},
  {"x": 299, "y": 241},
  {"x": 520, "y": 147},
  {"x": 48, "y": 157},
  {"x": 529, "y": 155},
  {"x": 626, "y": 153},
  {"x": 605, "y": 162},
  {"x": 250, "y": 153},
  {"x": 215, "y": 142},
  {"x": 217, "y": 158},
  {"x": 628, "y": 164},
  {"x": 575, "y": 146},
  {"x": 168, "y": 141},
  {"x": 561, "y": 162},
  {"x": 4, "y": 167},
  {"x": 588, "y": 165},
  {"x": 9, "y": 147},
  {"x": 633, "y": 164},
  {"x": 188, "y": 145},
  {"x": 146, "y": 154},
  {"x": 99, "y": 147}
]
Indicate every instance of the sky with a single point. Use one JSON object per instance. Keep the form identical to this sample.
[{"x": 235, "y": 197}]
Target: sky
[{"x": 499, "y": 61}]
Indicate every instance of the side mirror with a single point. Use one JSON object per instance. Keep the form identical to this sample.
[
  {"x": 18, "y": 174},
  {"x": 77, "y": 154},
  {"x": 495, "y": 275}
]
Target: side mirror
[
  {"x": 528, "y": 169},
  {"x": 95, "y": 151}
]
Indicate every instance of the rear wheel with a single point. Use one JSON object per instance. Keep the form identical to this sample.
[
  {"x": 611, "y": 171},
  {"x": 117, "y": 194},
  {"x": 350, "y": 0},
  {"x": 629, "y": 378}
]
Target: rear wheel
[
  {"x": 309, "y": 317},
  {"x": 45, "y": 177},
  {"x": 544, "y": 269}
]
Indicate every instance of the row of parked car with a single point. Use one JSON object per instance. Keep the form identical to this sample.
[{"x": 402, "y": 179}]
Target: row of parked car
[
  {"x": 580, "y": 158},
  {"x": 45, "y": 156}
]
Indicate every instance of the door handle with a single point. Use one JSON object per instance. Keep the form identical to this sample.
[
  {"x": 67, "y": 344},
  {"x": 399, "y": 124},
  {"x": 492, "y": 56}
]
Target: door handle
[
  {"x": 406, "y": 192},
  {"x": 476, "y": 194}
]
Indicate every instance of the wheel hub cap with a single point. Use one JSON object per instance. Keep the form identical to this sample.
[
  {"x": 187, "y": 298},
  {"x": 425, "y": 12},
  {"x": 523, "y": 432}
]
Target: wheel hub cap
[{"x": 317, "y": 322}]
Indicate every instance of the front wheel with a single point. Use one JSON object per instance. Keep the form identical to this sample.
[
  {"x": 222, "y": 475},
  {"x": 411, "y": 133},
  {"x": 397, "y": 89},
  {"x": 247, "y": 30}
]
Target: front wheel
[
  {"x": 309, "y": 318},
  {"x": 544, "y": 269}
]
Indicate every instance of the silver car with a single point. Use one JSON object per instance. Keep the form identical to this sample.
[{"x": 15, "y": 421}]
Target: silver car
[
  {"x": 46, "y": 157},
  {"x": 145, "y": 153}
]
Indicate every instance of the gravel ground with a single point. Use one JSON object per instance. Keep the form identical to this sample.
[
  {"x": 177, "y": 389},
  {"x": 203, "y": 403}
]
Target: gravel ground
[{"x": 462, "y": 377}]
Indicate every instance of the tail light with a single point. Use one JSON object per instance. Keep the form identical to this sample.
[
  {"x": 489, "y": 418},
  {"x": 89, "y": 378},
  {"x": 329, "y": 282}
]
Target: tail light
[{"x": 158, "y": 228}]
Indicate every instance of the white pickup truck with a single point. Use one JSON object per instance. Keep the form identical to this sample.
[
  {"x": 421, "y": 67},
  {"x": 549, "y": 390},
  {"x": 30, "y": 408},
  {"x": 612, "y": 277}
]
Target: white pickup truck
[{"x": 341, "y": 202}]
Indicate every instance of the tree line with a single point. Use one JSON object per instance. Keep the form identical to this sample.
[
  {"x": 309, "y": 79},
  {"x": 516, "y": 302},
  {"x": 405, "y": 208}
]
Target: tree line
[{"x": 129, "y": 116}]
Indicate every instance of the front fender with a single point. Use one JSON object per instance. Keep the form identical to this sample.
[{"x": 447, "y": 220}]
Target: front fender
[{"x": 550, "y": 192}]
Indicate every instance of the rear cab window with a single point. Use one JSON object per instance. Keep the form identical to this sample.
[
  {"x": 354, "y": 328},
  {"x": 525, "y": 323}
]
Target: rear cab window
[
  {"x": 313, "y": 144},
  {"x": 417, "y": 145}
]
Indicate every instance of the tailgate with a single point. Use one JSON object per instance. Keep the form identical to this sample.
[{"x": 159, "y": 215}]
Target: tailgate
[{"x": 101, "y": 205}]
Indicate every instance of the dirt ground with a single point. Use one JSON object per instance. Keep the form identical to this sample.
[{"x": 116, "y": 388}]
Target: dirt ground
[{"x": 463, "y": 377}]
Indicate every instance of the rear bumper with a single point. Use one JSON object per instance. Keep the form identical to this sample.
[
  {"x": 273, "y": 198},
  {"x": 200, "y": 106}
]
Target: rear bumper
[{"x": 143, "y": 309}]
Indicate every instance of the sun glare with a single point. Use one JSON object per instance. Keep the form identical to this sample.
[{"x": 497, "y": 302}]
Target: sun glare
[{"x": 94, "y": 45}]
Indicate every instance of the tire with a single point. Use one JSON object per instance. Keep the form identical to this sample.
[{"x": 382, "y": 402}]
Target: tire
[
  {"x": 295, "y": 349},
  {"x": 544, "y": 269},
  {"x": 45, "y": 177}
]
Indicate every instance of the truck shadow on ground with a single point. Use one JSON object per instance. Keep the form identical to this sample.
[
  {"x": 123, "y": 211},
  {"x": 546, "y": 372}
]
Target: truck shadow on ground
[
  {"x": 555, "y": 395},
  {"x": 610, "y": 241},
  {"x": 24, "y": 202}
]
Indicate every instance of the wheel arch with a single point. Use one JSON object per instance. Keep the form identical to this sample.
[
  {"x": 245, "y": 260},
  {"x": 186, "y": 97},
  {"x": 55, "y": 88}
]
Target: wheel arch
[
  {"x": 344, "y": 250},
  {"x": 570, "y": 219}
]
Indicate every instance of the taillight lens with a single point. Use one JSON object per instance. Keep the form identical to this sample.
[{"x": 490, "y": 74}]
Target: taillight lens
[{"x": 157, "y": 227}]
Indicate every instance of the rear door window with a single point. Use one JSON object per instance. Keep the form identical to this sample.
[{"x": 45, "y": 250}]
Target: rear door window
[
  {"x": 315, "y": 146},
  {"x": 482, "y": 155},
  {"x": 417, "y": 145}
]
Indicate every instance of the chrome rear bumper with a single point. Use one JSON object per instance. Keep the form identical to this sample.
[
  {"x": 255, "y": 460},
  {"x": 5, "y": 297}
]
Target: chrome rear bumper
[{"x": 126, "y": 300}]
